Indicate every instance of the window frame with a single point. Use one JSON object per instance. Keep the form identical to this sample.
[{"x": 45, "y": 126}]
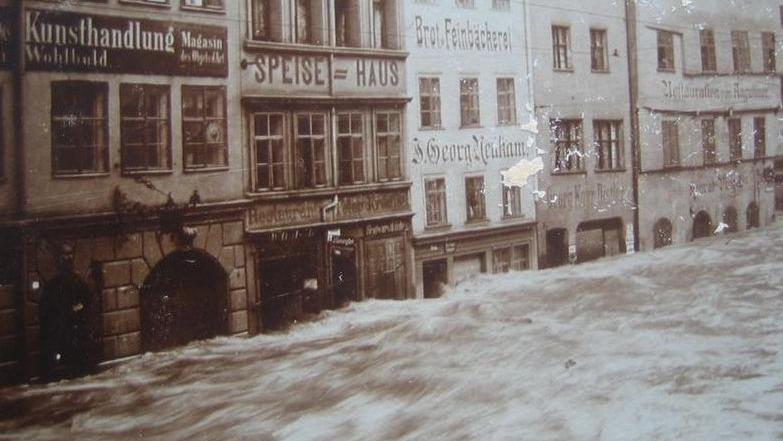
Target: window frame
[
  {"x": 665, "y": 45},
  {"x": 501, "y": 5},
  {"x": 388, "y": 134},
  {"x": 204, "y": 7},
  {"x": 154, "y": 3},
  {"x": 272, "y": 165},
  {"x": 469, "y": 102},
  {"x": 477, "y": 213},
  {"x": 670, "y": 130},
  {"x": 735, "y": 139},
  {"x": 740, "y": 51},
  {"x": 99, "y": 87},
  {"x": 351, "y": 135},
  {"x": 613, "y": 143},
  {"x": 561, "y": 50},
  {"x": 465, "y": 4},
  {"x": 511, "y": 203},
  {"x": 205, "y": 120},
  {"x": 769, "y": 52},
  {"x": 575, "y": 131},
  {"x": 759, "y": 137},
  {"x": 709, "y": 61},
  {"x": 432, "y": 93},
  {"x": 596, "y": 49},
  {"x": 311, "y": 139},
  {"x": 708, "y": 142},
  {"x": 511, "y": 107},
  {"x": 146, "y": 87},
  {"x": 435, "y": 198}
]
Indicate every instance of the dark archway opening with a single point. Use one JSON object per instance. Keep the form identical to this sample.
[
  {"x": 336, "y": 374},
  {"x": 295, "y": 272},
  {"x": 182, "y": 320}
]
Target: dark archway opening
[
  {"x": 702, "y": 225},
  {"x": 599, "y": 238},
  {"x": 435, "y": 278},
  {"x": 662, "y": 233},
  {"x": 556, "y": 247},
  {"x": 183, "y": 299},
  {"x": 753, "y": 216},
  {"x": 730, "y": 219}
]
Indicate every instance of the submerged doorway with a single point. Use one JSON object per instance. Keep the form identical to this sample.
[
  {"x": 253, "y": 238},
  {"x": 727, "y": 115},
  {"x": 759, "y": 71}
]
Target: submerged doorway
[
  {"x": 435, "y": 275},
  {"x": 556, "y": 247},
  {"x": 183, "y": 299},
  {"x": 702, "y": 225},
  {"x": 344, "y": 274}
]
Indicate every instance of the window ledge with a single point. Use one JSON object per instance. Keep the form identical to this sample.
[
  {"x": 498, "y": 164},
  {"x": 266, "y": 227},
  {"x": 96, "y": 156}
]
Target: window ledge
[
  {"x": 81, "y": 175},
  {"x": 568, "y": 173},
  {"x": 564, "y": 70},
  {"x": 600, "y": 71},
  {"x": 432, "y": 129},
  {"x": 205, "y": 169},
  {"x": 473, "y": 126},
  {"x": 166, "y": 5},
  {"x": 507, "y": 124},
  {"x": 437, "y": 228},
  {"x": 205, "y": 10},
  {"x": 328, "y": 191},
  {"x": 667, "y": 70},
  {"x": 147, "y": 172},
  {"x": 258, "y": 45},
  {"x": 513, "y": 218},
  {"x": 611, "y": 170},
  {"x": 477, "y": 222}
]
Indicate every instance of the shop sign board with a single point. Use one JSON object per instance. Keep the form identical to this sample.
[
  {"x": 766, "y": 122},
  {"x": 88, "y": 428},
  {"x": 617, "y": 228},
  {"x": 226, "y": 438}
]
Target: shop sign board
[
  {"x": 476, "y": 149},
  {"x": 63, "y": 41},
  {"x": 368, "y": 76},
  {"x": 715, "y": 93}
]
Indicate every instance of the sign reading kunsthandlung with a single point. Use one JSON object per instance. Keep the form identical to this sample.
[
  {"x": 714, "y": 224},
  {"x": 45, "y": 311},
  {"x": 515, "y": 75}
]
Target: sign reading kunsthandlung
[{"x": 70, "y": 42}]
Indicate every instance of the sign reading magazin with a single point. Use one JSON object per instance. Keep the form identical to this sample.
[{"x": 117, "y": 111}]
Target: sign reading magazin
[{"x": 70, "y": 42}]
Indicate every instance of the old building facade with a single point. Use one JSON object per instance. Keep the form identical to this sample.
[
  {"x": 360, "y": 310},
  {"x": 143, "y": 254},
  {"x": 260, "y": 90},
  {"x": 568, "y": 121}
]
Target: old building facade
[
  {"x": 586, "y": 208},
  {"x": 468, "y": 76},
  {"x": 708, "y": 86}
]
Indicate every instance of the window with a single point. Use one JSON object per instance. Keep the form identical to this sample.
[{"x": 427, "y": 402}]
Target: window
[
  {"x": 350, "y": 148},
  {"x": 145, "y": 127},
  {"x": 147, "y": 2},
  {"x": 79, "y": 128},
  {"x": 469, "y": 102},
  {"x": 759, "y": 137},
  {"x": 662, "y": 233},
  {"x": 567, "y": 143},
  {"x": 708, "y": 61},
  {"x": 346, "y": 23},
  {"x": 378, "y": 24},
  {"x": 561, "y": 47},
  {"x": 384, "y": 24},
  {"x": 768, "y": 51},
  {"x": 740, "y": 50},
  {"x": 267, "y": 20},
  {"x": 435, "y": 194},
  {"x": 598, "y": 56},
  {"x": 501, "y": 5},
  {"x": 269, "y": 151},
  {"x": 609, "y": 142},
  {"x": 388, "y": 135},
  {"x": 507, "y": 107},
  {"x": 665, "y": 51},
  {"x": 514, "y": 258},
  {"x": 211, "y": 5},
  {"x": 310, "y": 153},
  {"x": 735, "y": 139},
  {"x": 708, "y": 140},
  {"x": 671, "y": 143},
  {"x": 303, "y": 23},
  {"x": 465, "y": 3},
  {"x": 204, "y": 127},
  {"x": 512, "y": 201},
  {"x": 474, "y": 198},
  {"x": 429, "y": 101}
]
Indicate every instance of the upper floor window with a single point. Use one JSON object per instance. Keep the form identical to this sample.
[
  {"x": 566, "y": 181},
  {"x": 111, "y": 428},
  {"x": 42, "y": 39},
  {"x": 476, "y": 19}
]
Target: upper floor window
[
  {"x": 266, "y": 20},
  {"x": 429, "y": 101},
  {"x": 665, "y": 51},
  {"x": 671, "y": 143},
  {"x": 80, "y": 130},
  {"x": 609, "y": 142},
  {"x": 708, "y": 141},
  {"x": 210, "y": 5},
  {"x": 346, "y": 23},
  {"x": 507, "y": 107},
  {"x": 269, "y": 149},
  {"x": 384, "y": 24},
  {"x": 310, "y": 152},
  {"x": 707, "y": 40},
  {"x": 768, "y": 51},
  {"x": 512, "y": 201},
  {"x": 204, "y": 127},
  {"x": 740, "y": 49},
  {"x": 465, "y": 3},
  {"x": 501, "y": 5},
  {"x": 475, "y": 201},
  {"x": 388, "y": 136},
  {"x": 145, "y": 127},
  {"x": 561, "y": 47},
  {"x": 759, "y": 137},
  {"x": 469, "y": 102},
  {"x": 350, "y": 148},
  {"x": 599, "y": 61},
  {"x": 435, "y": 195},
  {"x": 567, "y": 144},
  {"x": 735, "y": 139}
]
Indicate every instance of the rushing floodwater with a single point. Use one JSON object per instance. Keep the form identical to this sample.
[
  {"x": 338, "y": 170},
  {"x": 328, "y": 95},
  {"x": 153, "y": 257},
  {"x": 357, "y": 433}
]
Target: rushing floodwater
[{"x": 679, "y": 344}]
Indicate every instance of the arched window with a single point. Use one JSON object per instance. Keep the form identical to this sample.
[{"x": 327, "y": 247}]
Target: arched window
[
  {"x": 662, "y": 233},
  {"x": 752, "y": 216},
  {"x": 730, "y": 219},
  {"x": 702, "y": 225}
]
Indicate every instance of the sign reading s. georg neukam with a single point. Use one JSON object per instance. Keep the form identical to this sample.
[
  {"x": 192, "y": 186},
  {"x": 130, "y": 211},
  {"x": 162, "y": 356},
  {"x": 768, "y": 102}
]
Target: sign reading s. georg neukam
[{"x": 72, "y": 42}]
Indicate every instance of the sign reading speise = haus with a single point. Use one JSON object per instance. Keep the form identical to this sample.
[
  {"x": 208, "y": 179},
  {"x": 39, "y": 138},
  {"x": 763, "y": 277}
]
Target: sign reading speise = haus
[{"x": 63, "y": 41}]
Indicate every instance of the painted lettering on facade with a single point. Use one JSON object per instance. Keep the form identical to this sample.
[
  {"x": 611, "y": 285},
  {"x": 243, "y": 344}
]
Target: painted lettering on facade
[
  {"x": 384, "y": 229},
  {"x": 735, "y": 92},
  {"x": 461, "y": 35},
  {"x": 730, "y": 183},
  {"x": 479, "y": 150},
  {"x": 600, "y": 197},
  {"x": 305, "y": 70},
  {"x": 70, "y": 42}
]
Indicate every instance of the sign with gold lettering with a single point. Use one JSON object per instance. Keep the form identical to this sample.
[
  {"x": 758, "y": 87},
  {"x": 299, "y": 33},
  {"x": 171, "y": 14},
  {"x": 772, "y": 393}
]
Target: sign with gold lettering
[{"x": 63, "y": 41}]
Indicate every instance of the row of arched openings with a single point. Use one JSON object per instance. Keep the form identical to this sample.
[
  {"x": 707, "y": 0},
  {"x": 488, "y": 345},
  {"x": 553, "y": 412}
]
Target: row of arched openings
[{"x": 703, "y": 227}]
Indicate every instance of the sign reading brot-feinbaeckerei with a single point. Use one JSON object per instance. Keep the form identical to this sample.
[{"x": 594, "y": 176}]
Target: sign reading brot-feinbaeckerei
[{"x": 73, "y": 42}]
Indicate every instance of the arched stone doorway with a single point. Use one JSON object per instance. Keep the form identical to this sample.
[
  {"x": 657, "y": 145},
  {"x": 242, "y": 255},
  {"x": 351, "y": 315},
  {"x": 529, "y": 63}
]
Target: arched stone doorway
[
  {"x": 752, "y": 216},
  {"x": 702, "y": 225},
  {"x": 184, "y": 298},
  {"x": 662, "y": 233},
  {"x": 730, "y": 219}
]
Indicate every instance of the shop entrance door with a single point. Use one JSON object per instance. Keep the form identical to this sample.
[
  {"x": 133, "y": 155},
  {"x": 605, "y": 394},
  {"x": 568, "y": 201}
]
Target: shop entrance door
[
  {"x": 435, "y": 278},
  {"x": 557, "y": 247},
  {"x": 466, "y": 267},
  {"x": 343, "y": 275}
]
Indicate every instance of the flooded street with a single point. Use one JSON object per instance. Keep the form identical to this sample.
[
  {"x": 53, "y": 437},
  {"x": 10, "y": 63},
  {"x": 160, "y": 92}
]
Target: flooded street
[{"x": 683, "y": 343}]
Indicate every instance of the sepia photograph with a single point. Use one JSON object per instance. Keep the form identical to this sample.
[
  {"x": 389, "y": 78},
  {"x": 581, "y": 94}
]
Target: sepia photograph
[{"x": 309, "y": 220}]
